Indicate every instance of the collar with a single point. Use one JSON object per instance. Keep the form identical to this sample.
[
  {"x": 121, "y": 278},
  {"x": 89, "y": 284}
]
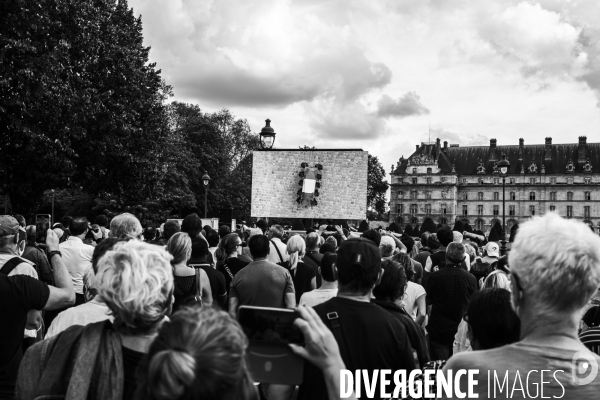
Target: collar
[{"x": 74, "y": 238}]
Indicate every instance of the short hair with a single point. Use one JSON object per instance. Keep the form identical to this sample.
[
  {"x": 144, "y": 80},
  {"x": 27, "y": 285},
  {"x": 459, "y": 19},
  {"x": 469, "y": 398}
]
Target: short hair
[
  {"x": 31, "y": 231},
  {"x": 66, "y": 221},
  {"x": 180, "y": 247},
  {"x": 79, "y": 226},
  {"x": 21, "y": 220},
  {"x": 212, "y": 237},
  {"x": 259, "y": 246},
  {"x": 149, "y": 233},
  {"x": 455, "y": 253},
  {"x": 171, "y": 227},
  {"x": 387, "y": 245},
  {"x": 445, "y": 235},
  {"x": 276, "y": 231},
  {"x": 432, "y": 242},
  {"x": 101, "y": 220},
  {"x": 199, "y": 247},
  {"x": 373, "y": 236},
  {"x": 358, "y": 264},
  {"x": 408, "y": 242},
  {"x": 262, "y": 224},
  {"x": 470, "y": 250},
  {"x": 312, "y": 240},
  {"x": 555, "y": 255},
  {"x": 101, "y": 248},
  {"x": 125, "y": 225},
  {"x": 392, "y": 282},
  {"x": 457, "y": 237},
  {"x": 135, "y": 281},
  {"x": 199, "y": 354},
  {"x": 492, "y": 319},
  {"x": 424, "y": 238},
  {"x": 224, "y": 230},
  {"x": 327, "y": 248},
  {"x": 332, "y": 240},
  {"x": 327, "y": 267},
  {"x": 192, "y": 225}
]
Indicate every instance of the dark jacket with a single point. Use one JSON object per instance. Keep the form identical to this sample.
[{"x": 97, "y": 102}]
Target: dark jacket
[{"x": 37, "y": 256}]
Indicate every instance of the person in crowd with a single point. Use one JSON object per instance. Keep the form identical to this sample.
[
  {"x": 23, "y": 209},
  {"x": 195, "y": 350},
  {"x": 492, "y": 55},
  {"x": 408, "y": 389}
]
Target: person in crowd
[
  {"x": 471, "y": 252},
  {"x": 332, "y": 241},
  {"x": 424, "y": 251},
  {"x": 358, "y": 322},
  {"x": 363, "y": 226},
  {"x": 21, "y": 220},
  {"x": 497, "y": 279},
  {"x": 21, "y": 293},
  {"x": 387, "y": 247},
  {"x": 125, "y": 225},
  {"x": 149, "y": 234},
  {"x": 262, "y": 225},
  {"x": 326, "y": 248},
  {"x": 199, "y": 259},
  {"x": 66, "y": 223},
  {"x": 224, "y": 230},
  {"x": 372, "y": 235},
  {"x": 212, "y": 238},
  {"x": 77, "y": 255},
  {"x": 555, "y": 271},
  {"x": 457, "y": 237},
  {"x": 171, "y": 227},
  {"x": 252, "y": 232},
  {"x": 228, "y": 261},
  {"x": 277, "y": 249},
  {"x": 314, "y": 256},
  {"x": 184, "y": 277},
  {"x": 100, "y": 360},
  {"x": 303, "y": 276},
  {"x": 329, "y": 286},
  {"x": 34, "y": 253},
  {"x": 448, "y": 293},
  {"x": 102, "y": 222},
  {"x": 192, "y": 225},
  {"x": 59, "y": 229},
  {"x": 486, "y": 264},
  {"x": 414, "y": 299},
  {"x": 92, "y": 311},
  {"x": 409, "y": 243},
  {"x": 261, "y": 283},
  {"x": 388, "y": 293}
]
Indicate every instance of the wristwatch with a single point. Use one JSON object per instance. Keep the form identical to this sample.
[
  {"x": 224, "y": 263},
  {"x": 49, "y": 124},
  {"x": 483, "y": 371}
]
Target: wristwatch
[{"x": 53, "y": 253}]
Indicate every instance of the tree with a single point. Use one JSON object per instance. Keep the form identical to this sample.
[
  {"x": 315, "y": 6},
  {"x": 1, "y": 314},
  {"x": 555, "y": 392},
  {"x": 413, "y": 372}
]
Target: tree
[
  {"x": 498, "y": 228},
  {"x": 377, "y": 187},
  {"x": 493, "y": 236},
  {"x": 458, "y": 226},
  {"x": 409, "y": 230},
  {"x": 428, "y": 226},
  {"x": 513, "y": 232}
]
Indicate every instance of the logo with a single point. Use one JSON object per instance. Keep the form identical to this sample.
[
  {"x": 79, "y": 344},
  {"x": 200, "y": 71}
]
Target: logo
[{"x": 585, "y": 368}]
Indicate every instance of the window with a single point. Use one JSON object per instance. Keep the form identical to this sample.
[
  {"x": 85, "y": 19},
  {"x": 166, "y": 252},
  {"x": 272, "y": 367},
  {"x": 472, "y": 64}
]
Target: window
[
  {"x": 570, "y": 181},
  {"x": 531, "y": 195},
  {"x": 587, "y": 180},
  {"x": 532, "y": 181},
  {"x": 587, "y": 196},
  {"x": 479, "y": 210},
  {"x": 496, "y": 181},
  {"x": 553, "y": 181},
  {"x": 443, "y": 221},
  {"x": 496, "y": 195},
  {"x": 586, "y": 211},
  {"x": 444, "y": 179},
  {"x": 414, "y": 220},
  {"x": 531, "y": 210},
  {"x": 480, "y": 196},
  {"x": 552, "y": 208},
  {"x": 400, "y": 209},
  {"x": 481, "y": 181},
  {"x": 427, "y": 195},
  {"x": 465, "y": 180},
  {"x": 400, "y": 180},
  {"x": 553, "y": 196},
  {"x": 428, "y": 170},
  {"x": 414, "y": 170},
  {"x": 465, "y": 196},
  {"x": 496, "y": 210},
  {"x": 443, "y": 209},
  {"x": 413, "y": 194},
  {"x": 479, "y": 225},
  {"x": 512, "y": 196},
  {"x": 512, "y": 181},
  {"x": 413, "y": 208},
  {"x": 569, "y": 196},
  {"x": 400, "y": 195},
  {"x": 511, "y": 210},
  {"x": 414, "y": 181},
  {"x": 429, "y": 180},
  {"x": 428, "y": 209},
  {"x": 569, "y": 211},
  {"x": 465, "y": 210}
]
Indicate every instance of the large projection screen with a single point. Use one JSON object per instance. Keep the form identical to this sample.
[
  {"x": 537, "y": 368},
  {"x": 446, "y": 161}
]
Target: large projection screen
[{"x": 343, "y": 191}]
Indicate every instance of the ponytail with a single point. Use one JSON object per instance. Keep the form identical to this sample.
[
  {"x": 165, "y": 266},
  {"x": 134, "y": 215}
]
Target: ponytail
[{"x": 170, "y": 373}]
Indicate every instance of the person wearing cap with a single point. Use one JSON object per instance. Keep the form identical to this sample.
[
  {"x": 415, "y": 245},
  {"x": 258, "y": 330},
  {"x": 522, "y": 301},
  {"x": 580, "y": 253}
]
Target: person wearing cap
[
  {"x": 369, "y": 337},
  {"x": 491, "y": 253},
  {"x": 9, "y": 226},
  {"x": 21, "y": 293}
]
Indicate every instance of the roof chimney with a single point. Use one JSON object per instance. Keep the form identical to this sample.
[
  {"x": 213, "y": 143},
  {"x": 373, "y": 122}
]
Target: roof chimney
[
  {"x": 521, "y": 148},
  {"x": 582, "y": 151},
  {"x": 417, "y": 147},
  {"x": 445, "y": 146},
  {"x": 492, "y": 156},
  {"x": 493, "y": 142},
  {"x": 548, "y": 149}
]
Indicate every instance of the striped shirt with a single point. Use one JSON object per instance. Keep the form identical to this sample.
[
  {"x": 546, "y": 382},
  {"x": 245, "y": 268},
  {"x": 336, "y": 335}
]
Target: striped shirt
[{"x": 591, "y": 339}]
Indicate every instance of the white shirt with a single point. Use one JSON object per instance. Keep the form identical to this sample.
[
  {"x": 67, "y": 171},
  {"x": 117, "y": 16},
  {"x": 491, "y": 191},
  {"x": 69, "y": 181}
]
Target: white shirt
[
  {"x": 273, "y": 255},
  {"x": 77, "y": 257},
  {"x": 409, "y": 300},
  {"x": 317, "y": 296},
  {"x": 87, "y": 313},
  {"x": 213, "y": 251}
]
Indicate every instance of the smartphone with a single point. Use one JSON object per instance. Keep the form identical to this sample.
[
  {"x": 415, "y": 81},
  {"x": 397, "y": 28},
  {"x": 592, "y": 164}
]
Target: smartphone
[
  {"x": 42, "y": 224},
  {"x": 269, "y": 331},
  {"x": 233, "y": 225}
]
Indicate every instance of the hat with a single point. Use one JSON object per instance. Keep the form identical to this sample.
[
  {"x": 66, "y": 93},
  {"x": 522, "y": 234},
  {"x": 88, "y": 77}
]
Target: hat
[
  {"x": 359, "y": 251},
  {"x": 8, "y": 225},
  {"x": 492, "y": 249}
]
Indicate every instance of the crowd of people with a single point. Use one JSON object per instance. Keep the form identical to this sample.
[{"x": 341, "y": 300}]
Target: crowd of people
[{"x": 111, "y": 310}]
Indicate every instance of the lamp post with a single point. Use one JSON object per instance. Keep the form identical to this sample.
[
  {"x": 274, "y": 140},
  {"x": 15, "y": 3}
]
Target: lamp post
[
  {"x": 504, "y": 166},
  {"x": 206, "y": 180},
  {"x": 267, "y": 135},
  {"x": 52, "y": 217}
]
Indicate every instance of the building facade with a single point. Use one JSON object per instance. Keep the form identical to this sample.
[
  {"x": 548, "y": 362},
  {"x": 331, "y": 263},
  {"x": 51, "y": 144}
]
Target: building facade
[{"x": 452, "y": 182}]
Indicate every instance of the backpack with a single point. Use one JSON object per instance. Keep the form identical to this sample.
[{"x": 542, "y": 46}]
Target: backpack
[
  {"x": 12, "y": 264},
  {"x": 481, "y": 270}
]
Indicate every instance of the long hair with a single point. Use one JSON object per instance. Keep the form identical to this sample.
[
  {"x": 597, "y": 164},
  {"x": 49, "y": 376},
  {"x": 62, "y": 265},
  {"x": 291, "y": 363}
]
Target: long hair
[
  {"x": 227, "y": 245},
  {"x": 180, "y": 247},
  {"x": 296, "y": 248}
]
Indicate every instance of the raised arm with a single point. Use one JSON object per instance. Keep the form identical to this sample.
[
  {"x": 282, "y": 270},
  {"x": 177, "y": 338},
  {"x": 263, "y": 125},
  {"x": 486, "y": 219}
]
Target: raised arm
[{"x": 62, "y": 293}]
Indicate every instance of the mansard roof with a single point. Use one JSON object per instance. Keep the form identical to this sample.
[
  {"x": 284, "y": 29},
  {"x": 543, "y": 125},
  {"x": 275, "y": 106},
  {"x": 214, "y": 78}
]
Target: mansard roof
[{"x": 547, "y": 158}]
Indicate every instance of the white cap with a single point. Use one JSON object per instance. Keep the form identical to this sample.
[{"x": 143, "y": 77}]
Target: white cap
[{"x": 492, "y": 249}]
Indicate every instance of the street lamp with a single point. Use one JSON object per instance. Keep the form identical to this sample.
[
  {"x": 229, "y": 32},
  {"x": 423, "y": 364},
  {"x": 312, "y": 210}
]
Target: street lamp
[
  {"x": 267, "y": 135},
  {"x": 52, "y": 217},
  {"x": 206, "y": 180},
  {"x": 503, "y": 166}
]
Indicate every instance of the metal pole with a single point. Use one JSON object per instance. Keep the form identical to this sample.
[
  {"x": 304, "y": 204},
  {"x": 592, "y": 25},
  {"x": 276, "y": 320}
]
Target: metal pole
[
  {"x": 52, "y": 219},
  {"x": 503, "y": 248},
  {"x": 205, "y": 200}
]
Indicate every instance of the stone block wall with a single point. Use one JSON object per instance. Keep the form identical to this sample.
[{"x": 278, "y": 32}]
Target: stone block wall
[{"x": 343, "y": 192}]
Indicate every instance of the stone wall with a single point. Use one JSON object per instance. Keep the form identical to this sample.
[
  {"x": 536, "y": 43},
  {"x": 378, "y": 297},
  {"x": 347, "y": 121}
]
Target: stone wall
[{"x": 343, "y": 192}]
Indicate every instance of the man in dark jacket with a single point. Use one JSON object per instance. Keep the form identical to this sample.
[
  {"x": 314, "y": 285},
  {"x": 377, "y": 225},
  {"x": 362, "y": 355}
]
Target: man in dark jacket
[{"x": 34, "y": 253}]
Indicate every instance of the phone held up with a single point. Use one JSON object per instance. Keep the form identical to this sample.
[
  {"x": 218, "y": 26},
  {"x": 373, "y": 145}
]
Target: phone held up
[
  {"x": 269, "y": 331},
  {"x": 42, "y": 224}
]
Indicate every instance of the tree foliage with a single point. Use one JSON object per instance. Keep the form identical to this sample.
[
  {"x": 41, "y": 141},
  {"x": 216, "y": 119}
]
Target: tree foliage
[
  {"x": 428, "y": 226},
  {"x": 377, "y": 187}
]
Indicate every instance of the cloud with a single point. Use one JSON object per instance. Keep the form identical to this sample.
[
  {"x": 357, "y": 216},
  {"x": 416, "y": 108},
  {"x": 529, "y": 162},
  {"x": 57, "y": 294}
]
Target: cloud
[
  {"x": 405, "y": 106},
  {"x": 350, "y": 121}
]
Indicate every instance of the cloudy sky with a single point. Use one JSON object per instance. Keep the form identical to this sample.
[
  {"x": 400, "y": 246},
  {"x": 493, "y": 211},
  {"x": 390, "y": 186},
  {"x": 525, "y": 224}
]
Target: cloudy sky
[{"x": 376, "y": 74}]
